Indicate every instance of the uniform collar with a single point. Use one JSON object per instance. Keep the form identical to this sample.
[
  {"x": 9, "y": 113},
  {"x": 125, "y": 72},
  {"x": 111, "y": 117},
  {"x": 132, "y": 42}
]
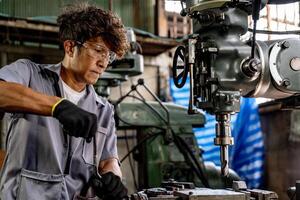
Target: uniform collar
[
  {"x": 90, "y": 89},
  {"x": 54, "y": 68}
]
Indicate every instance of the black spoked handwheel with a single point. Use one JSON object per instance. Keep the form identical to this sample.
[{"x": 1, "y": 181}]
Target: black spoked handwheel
[{"x": 179, "y": 69}]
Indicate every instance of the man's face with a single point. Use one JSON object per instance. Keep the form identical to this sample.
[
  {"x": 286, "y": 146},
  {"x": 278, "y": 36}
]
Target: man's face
[{"x": 90, "y": 60}]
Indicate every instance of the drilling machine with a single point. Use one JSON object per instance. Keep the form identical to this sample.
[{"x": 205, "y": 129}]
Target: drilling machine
[{"x": 222, "y": 67}]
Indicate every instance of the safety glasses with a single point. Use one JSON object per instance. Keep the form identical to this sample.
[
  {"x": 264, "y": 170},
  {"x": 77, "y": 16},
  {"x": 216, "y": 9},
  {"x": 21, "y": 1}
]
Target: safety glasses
[{"x": 98, "y": 51}]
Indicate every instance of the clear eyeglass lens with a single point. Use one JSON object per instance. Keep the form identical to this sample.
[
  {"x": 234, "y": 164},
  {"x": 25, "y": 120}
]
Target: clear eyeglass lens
[
  {"x": 104, "y": 53},
  {"x": 100, "y": 52},
  {"x": 112, "y": 56}
]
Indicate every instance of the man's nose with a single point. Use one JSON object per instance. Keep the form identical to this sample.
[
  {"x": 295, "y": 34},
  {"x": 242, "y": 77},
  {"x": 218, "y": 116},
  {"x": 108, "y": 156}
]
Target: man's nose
[{"x": 102, "y": 63}]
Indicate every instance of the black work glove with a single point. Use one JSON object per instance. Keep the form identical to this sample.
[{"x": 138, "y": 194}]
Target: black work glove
[
  {"x": 109, "y": 187},
  {"x": 76, "y": 121}
]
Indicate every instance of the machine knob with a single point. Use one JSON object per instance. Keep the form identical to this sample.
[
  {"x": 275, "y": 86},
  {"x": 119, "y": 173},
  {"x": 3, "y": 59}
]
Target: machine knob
[{"x": 251, "y": 67}]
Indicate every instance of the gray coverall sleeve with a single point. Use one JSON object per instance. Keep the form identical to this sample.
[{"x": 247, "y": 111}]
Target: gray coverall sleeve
[
  {"x": 16, "y": 72},
  {"x": 110, "y": 146}
]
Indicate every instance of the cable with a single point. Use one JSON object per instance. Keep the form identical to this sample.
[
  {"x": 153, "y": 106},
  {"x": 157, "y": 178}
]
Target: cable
[
  {"x": 138, "y": 145},
  {"x": 199, "y": 172},
  {"x": 256, "y": 4},
  {"x": 140, "y": 95}
]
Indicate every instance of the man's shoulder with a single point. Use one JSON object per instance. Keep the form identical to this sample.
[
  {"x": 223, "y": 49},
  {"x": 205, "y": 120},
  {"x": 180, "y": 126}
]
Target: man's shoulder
[
  {"x": 26, "y": 63},
  {"x": 21, "y": 66}
]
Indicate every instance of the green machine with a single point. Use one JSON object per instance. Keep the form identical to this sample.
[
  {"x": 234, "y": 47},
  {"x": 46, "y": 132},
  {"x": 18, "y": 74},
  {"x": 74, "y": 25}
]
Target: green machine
[
  {"x": 166, "y": 145},
  {"x": 162, "y": 155}
]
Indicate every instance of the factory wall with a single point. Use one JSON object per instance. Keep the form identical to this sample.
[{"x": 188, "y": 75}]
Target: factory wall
[{"x": 134, "y": 13}]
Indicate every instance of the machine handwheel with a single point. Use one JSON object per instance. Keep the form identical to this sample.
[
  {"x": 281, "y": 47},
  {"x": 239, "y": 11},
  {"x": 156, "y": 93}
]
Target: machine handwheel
[{"x": 179, "y": 69}]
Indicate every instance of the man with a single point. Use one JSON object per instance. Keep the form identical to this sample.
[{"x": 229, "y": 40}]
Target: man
[{"x": 61, "y": 134}]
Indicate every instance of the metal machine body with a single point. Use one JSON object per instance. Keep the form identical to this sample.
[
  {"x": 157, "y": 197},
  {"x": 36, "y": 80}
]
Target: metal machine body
[{"x": 222, "y": 69}]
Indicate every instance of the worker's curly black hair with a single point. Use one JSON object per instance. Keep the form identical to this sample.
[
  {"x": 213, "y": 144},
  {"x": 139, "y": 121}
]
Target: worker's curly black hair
[{"x": 81, "y": 22}]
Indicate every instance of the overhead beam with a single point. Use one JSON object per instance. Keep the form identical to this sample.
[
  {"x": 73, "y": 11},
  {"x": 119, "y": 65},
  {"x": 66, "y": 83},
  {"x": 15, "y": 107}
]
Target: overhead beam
[{"x": 21, "y": 31}]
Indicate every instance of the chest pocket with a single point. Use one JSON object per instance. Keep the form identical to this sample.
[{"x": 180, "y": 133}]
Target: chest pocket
[
  {"x": 39, "y": 186},
  {"x": 88, "y": 148}
]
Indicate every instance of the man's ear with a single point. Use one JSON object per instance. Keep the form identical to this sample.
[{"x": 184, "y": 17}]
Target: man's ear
[{"x": 69, "y": 47}]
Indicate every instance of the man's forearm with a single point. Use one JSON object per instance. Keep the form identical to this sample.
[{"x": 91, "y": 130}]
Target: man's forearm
[
  {"x": 18, "y": 98},
  {"x": 110, "y": 165}
]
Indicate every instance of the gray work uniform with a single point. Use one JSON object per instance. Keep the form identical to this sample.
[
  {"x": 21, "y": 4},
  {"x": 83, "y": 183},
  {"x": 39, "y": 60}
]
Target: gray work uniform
[{"x": 42, "y": 162}]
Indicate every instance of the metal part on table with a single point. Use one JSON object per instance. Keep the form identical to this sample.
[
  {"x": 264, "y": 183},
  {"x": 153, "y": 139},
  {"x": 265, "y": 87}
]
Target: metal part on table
[
  {"x": 177, "y": 185},
  {"x": 263, "y": 194},
  {"x": 153, "y": 193},
  {"x": 239, "y": 185},
  {"x": 239, "y": 192},
  {"x": 210, "y": 194}
]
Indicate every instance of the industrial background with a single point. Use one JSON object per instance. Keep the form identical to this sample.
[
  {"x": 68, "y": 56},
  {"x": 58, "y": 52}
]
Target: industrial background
[{"x": 28, "y": 30}]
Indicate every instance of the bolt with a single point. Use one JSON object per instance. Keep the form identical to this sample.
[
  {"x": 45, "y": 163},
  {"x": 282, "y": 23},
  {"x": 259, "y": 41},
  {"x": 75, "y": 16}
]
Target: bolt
[
  {"x": 285, "y": 45},
  {"x": 286, "y": 82}
]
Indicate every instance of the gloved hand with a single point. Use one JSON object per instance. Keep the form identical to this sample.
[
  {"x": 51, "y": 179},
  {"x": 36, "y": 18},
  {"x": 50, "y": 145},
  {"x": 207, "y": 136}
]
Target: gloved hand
[
  {"x": 109, "y": 187},
  {"x": 76, "y": 121}
]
